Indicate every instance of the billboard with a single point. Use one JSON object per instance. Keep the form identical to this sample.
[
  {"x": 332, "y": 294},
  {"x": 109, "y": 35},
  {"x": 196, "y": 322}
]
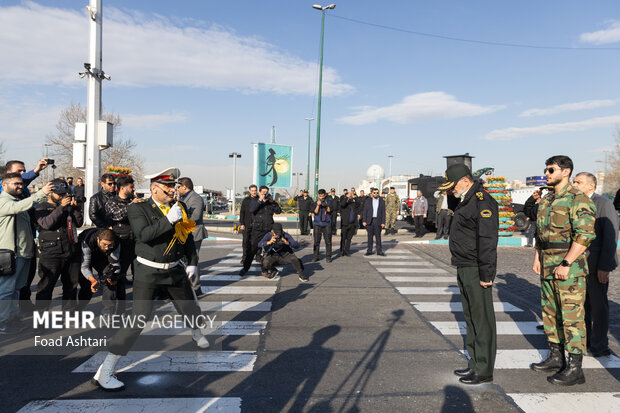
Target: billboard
[{"x": 273, "y": 165}]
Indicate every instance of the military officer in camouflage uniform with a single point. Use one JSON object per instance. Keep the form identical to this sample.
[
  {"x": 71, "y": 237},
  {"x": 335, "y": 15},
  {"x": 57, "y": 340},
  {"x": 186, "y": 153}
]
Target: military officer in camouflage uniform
[
  {"x": 392, "y": 205},
  {"x": 565, "y": 230}
]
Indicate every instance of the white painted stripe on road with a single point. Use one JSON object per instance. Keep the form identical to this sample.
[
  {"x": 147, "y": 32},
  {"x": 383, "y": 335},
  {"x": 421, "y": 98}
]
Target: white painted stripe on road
[
  {"x": 225, "y": 277},
  {"x": 567, "y": 402},
  {"x": 174, "y": 361},
  {"x": 521, "y": 359},
  {"x": 429, "y": 290},
  {"x": 455, "y": 328},
  {"x": 228, "y": 328},
  {"x": 239, "y": 290},
  {"x": 239, "y": 249},
  {"x": 234, "y": 254},
  {"x": 210, "y": 245},
  {"x": 232, "y": 269},
  {"x": 393, "y": 257},
  {"x": 455, "y": 307},
  {"x": 232, "y": 306},
  {"x": 183, "y": 404},
  {"x": 403, "y": 263},
  {"x": 421, "y": 279},
  {"x": 231, "y": 261},
  {"x": 416, "y": 270}
]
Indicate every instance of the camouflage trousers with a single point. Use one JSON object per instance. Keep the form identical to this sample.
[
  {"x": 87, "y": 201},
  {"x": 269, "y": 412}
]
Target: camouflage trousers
[
  {"x": 563, "y": 312},
  {"x": 390, "y": 218}
]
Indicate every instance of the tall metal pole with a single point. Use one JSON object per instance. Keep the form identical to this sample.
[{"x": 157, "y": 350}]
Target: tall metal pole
[
  {"x": 318, "y": 117},
  {"x": 234, "y": 156},
  {"x": 308, "y": 166},
  {"x": 93, "y": 156},
  {"x": 390, "y": 169}
]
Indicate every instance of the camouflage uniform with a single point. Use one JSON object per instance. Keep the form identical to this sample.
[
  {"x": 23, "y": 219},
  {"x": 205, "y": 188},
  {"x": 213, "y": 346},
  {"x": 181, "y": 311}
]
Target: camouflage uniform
[
  {"x": 563, "y": 218},
  {"x": 392, "y": 204}
]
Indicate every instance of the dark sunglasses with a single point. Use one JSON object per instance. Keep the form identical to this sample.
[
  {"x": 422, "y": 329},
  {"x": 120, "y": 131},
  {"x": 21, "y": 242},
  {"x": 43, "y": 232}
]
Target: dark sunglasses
[{"x": 550, "y": 170}]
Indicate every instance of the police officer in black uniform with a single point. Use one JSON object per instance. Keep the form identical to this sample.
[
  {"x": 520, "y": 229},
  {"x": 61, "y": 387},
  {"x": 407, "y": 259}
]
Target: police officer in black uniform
[
  {"x": 304, "y": 204},
  {"x": 57, "y": 221},
  {"x": 473, "y": 245},
  {"x": 335, "y": 203},
  {"x": 245, "y": 220}
]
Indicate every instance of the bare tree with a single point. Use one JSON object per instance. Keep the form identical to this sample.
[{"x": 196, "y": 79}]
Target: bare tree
[
  {"x": 123, "y": 154},
  {"x": 612, "y": 178},
  {"x": 2, "y": 151}
]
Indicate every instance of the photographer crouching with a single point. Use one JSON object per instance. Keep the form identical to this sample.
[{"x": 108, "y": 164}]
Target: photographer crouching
[{"x": 278, "y": 247}]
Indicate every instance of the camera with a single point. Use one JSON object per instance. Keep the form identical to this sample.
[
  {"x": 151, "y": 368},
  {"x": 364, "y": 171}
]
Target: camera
[
  {"x": 78, "y": 199},
  {"x": 109, "y": 273},
  {"x": 50, "y": 161}
]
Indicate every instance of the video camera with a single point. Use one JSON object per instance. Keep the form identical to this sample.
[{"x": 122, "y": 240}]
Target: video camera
[
  {"x": 110, "y": 273},
  {"x": 78, "y": 199}
]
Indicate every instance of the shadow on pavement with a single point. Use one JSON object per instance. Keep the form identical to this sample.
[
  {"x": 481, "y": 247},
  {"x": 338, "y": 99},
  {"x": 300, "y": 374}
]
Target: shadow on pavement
[{"x": 456, "y": 400}]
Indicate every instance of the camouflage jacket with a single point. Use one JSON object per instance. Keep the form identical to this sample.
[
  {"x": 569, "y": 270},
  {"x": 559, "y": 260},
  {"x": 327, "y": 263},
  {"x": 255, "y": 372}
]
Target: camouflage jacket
[
  {"x": 392, "y": 202},
  {"x": 562, "y": 219}
]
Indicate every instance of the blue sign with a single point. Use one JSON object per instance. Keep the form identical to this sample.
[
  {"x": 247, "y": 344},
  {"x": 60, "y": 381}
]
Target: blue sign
[
  {"x": 536, "y": 181},
  {"x": 274, "y": 164}
]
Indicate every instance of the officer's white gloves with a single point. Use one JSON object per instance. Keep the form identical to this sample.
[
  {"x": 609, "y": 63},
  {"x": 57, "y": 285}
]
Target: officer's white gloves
[
  {"x": 175, "y": 214},
  {"x": 190, "y": 270}
]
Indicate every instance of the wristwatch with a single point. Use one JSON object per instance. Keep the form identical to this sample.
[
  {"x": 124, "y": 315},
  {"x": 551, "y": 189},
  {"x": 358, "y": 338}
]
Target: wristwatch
[{"x": 564, "y": 263}]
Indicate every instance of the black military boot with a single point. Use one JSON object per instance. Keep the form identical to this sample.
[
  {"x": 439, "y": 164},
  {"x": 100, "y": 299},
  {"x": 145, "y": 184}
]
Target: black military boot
[
  {"x": 572, "y": 374},
  {"x": 556, "y": 360}
]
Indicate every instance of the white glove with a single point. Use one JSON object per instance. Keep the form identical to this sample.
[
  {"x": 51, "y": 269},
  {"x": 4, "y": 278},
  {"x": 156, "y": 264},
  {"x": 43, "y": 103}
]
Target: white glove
[
  {"x": 190, "y": 270},
  {"x": 175, "y": 214}
]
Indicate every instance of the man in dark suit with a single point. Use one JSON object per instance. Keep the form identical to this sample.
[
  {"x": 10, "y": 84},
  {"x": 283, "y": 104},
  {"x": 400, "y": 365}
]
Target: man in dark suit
[
  {"x": 304, "y": 204},
  {"x": 245, "y": 219},
  {"x": 348, "y": 222},
  {"x": 195, "y": 210},
  {"x": 164, "y": 245},
  {"x": 373, "y": 219},
  {"x": 601, "y": 261}
]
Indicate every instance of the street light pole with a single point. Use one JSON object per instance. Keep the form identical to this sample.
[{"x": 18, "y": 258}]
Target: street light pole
[
  {"x": 308, "y": 168},
  {"x": 318, "y": 118},
  {"x": 234, "y": 157},
  {"x": 390, "y": 169}
]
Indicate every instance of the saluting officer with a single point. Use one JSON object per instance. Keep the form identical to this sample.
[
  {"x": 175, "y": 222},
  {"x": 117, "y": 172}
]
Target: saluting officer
[
  {"x": 473, "y": 245},
  {"x": 565, "y": 230},
  {"x": 166, "y": 258}
]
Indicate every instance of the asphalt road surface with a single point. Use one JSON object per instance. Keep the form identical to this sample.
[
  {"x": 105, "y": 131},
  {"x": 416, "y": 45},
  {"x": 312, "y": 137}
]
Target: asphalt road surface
[{"x": 364, "y": 334}]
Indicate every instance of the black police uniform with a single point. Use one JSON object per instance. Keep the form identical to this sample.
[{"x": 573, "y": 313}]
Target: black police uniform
[
  {"x": 305, "y": 208},
  {"x": 262, "y": 221},
  {"x": 335, "y": 205},
  {"x": 245, "y": 218},
  {"x": 348, "y": 223},
  {"x": 473, "y": 245}
]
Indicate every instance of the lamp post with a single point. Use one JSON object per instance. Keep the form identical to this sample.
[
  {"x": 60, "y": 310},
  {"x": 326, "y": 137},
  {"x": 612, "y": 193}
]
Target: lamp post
[
  {"x": 390, "y": 168},
  {"x": 308, "y": 168},
  {"x": 318, "y": 117},
  {"x": 234, "y": 157}
]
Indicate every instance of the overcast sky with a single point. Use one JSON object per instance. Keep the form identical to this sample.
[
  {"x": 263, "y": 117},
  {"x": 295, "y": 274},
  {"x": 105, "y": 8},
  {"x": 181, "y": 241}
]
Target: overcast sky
[{"x": 196, "y": 80}]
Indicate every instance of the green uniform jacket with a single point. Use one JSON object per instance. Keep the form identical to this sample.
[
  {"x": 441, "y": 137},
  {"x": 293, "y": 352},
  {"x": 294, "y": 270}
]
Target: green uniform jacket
[
  {"x": 153, "y": 234},
  {"x": 392, "y": 202},
  {"x": 563, "y": 218}
]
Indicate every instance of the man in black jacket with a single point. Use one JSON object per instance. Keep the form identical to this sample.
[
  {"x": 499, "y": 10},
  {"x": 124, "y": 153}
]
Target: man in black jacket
[
  {"x": 304, "y": 204},
  {"x": 361, "y": 200},
  {"x": 245, "y": 219},
  {"x": 473, "y": 245},
  {"x": 58, "y": 220},
  {"x": 348, "y": 222},
  {"x": 335, "y": 202},
  {"x": 530, "y": 209},
  {"x": 373, "y": 219},
  {"x": 262, "y": 210},
  {"x": 96, "y": 207}
]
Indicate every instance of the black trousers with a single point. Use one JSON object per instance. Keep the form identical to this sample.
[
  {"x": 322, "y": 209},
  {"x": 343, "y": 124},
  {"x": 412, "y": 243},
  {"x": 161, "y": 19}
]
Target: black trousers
[
  {"x": 326, "y": 234},
  {"x": 304, "y": 221},
  {"x": 373, "y": 228},
  {"x": 113, "y": 296},
  {"x": 246, "y": 243},
  {"x": 52, "y": 268},
  {"x": 597, "y": 309},
  {"x": 128, "y": 253},
  {"x": 346, "y": 235},
  {"x": 24, "y": 293},
  {"x": 443, "y": 223},
  {"x": 286, "y": 258},
  {"x": 334, "y": 218},
  {"x": 143, "y": 295},
  {"x": 419, "y": 225},
  {"x": 257, "y": 235}
]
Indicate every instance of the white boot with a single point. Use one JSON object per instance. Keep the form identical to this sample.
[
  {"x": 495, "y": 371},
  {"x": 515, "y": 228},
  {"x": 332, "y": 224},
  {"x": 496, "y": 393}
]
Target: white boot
[
  {"x": 200, "y": 340},
  {"x": 105, "y": 377}
]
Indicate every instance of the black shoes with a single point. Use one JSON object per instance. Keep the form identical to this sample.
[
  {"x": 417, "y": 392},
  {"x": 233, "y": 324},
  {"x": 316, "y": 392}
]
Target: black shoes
[
  {"x": 603, "y": 353},
  {"x": 302, "y": 278},
  {"x": 463, "y": 372},
  {"x": 368, "y": 253},
  {"x": 540, "y": 327},
  {"x": 572, "y": 374},
  {"x": 381, "y": 253},
  {"x": 315, "y": 259},
  {"x": 243, "y": 272},
  {"x": 555, "y": 361},
  {"x": 473, "y": 378},
  {"x": 328, "y": 259}
]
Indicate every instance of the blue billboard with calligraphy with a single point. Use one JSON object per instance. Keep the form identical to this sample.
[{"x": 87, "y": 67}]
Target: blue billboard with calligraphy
[{"x": 273, "y": 165}]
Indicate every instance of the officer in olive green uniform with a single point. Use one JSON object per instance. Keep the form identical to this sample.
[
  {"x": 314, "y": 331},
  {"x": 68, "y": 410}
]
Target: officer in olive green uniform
[
  {"x": 473, "y": 246},
  {"x": 392, "y": 205},
  {"x": 565, "y": 229},
  {"x": 166, "y": 258}
]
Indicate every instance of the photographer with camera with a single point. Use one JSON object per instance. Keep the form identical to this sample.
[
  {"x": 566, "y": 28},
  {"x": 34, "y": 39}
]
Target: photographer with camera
[
  {"x": 278, "y": 247},
  {"x": 101, "y": 251},
  {"x": 262, "y": 210},
  {"x": 96, "y": 208},
  {"x": 323, "y": 226},
  {"x": 58, "y": 220}
]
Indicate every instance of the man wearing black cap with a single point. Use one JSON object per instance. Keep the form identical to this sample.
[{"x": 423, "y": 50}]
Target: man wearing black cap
[
  {"x": 473, "y": 245},
  {"x": 304, "y": 204},
  {"x": 278, "y": 247},
  {"x": 59, "y": 254},
  {"x": 335, "y": 210}
]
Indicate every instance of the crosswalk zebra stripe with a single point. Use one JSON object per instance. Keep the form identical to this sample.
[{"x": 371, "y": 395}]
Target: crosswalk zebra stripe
[
  {"x": 175, "y": 361},
  {"x": 392, "y": 257},
  {"x": 232, "y": 306},
  {"x": 231, "y": 277},
  {"x": 239, "y": 290},
  {"x": 521, "y": 359},
  {"x": 233, "y": 268},
  {"x": 424, "y": 270},
  {"x": 227, "y": 328},
  {"x": 137, "y": 405},
  {"x": 453, "y": 328},
  {"x": 421, "y": 279},
  {"x": 567, "y": 402},
  {"x": 456, "y": 307},
  {"x": 429, "y": 290},
  {"x": 403, "y": 263}
]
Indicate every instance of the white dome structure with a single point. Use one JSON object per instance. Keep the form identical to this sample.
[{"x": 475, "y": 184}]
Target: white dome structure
[{"x": 375, "y": 173}]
